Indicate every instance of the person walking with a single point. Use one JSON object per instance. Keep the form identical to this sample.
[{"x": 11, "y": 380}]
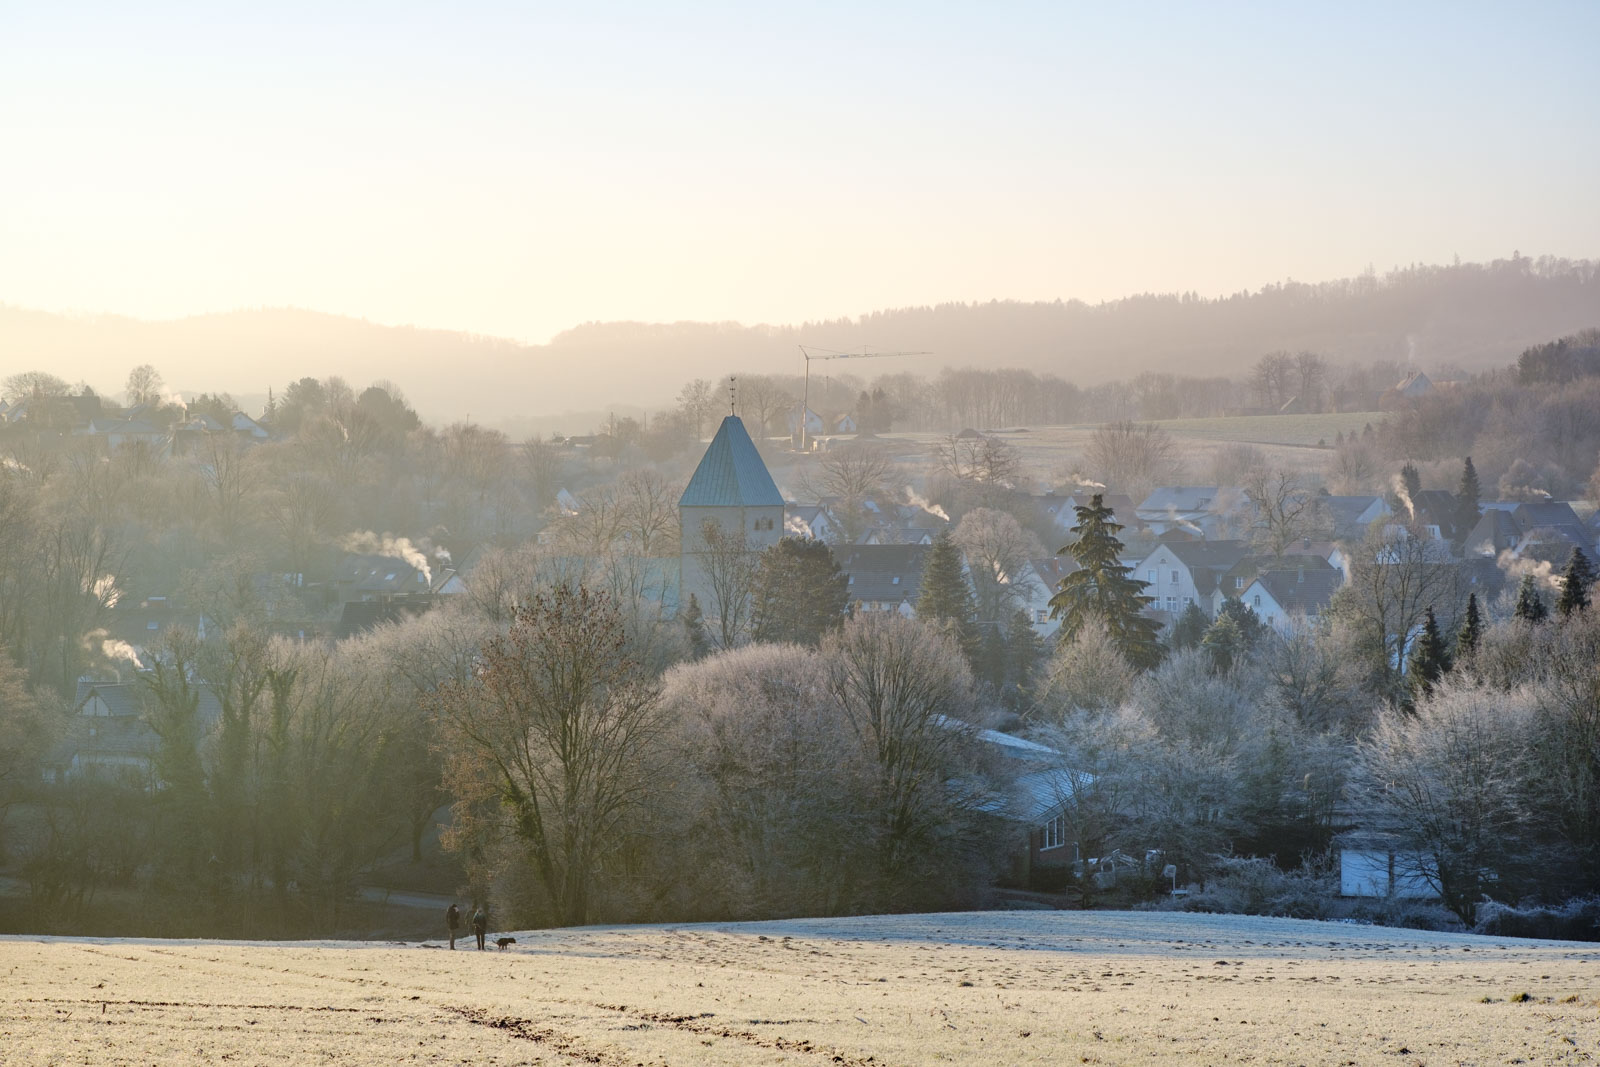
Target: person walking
[
  {"x": 480, "y": 926},
  {"x": 452, "y": 919}
]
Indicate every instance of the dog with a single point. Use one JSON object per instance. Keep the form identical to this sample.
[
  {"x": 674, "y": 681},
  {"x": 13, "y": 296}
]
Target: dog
[{"x": 504, "y": 941}]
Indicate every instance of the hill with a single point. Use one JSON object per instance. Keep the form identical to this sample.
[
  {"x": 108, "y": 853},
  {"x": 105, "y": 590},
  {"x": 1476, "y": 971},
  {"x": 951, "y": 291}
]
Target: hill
[
  {"x": 1470, "y": 316},
  {"x": 986, "y": 988}
]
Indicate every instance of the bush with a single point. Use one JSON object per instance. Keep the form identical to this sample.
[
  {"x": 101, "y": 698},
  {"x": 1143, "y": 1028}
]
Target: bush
[
  {"x": 1404, "y": 914},
  {"x": 1576, "y": 920},
  {"x": 1252, "y": 886}
]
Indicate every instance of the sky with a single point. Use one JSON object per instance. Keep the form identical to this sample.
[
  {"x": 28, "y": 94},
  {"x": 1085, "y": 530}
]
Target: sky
[{"x": 519, "y": 169}]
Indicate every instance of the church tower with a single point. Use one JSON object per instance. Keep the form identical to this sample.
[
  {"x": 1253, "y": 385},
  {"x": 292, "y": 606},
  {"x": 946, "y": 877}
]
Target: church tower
[{"x": 729, "y": 512}]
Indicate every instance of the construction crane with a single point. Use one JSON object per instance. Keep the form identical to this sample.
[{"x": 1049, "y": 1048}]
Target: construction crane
[{"x": 810, "y": 352}]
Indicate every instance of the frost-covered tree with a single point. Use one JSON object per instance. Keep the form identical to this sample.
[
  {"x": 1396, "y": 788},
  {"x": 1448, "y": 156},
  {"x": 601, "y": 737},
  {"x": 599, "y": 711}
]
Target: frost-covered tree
[{"x": 1103, "y": 590}]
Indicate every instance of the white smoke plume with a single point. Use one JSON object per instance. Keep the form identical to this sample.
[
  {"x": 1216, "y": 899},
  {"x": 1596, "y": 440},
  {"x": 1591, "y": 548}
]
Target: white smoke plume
[
  {"x": 917, "y": 500},
  {"x": 442, "y": 554},
  {"x": 1517, "y": 568},
  {"x": 368, "y": 543},
  {"x": 1398, "y": 484},
  {"x": 1084, "y": 483},
  {"x": 795, "y": 526},
  {"x": 115, "y": 650},
  {"x": 1172, "y": 516}
]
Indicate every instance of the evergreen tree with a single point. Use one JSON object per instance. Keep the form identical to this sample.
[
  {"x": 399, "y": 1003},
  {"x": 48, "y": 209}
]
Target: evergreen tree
[
  {"x": 1224, "y": 643},
  {"x": 1530, "y": 605},
  {"x": 1189, "y": 629},
  {"x": 1411, "y": 478},
  {"x": 694, "y": 626},
  {"x": 1251, "y": 628},
  {"x": 1429, "y": 660},
  {"x": 945, "y": 597},
  {"x": 1466, "y": 516},
  {"x": 800, "y": 592},
  {"x": 1471, "y": 632},
  {"x": 1575, "y": 584},
  {"x": 1023, "y": 649},
  {"x": 1103, "y": 589},
  {"x": 992, "y": 659}
]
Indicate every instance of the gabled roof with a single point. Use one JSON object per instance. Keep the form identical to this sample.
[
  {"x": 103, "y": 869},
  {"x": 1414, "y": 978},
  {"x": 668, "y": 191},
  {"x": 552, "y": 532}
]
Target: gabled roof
[
  {"x": 1180, "y": 498},
  {"x": 1304, "y": 591},
  {"x": 883, "y": 572},
  {"x": 1208, "y": 555},
  {"x": 1437, "y": 507},
  {"x": 1551, "y": 515},
  {"x": 1495, "y": 532},
  {"x": 731, "y": 473},
  {"x": 1345, "y": 512}
]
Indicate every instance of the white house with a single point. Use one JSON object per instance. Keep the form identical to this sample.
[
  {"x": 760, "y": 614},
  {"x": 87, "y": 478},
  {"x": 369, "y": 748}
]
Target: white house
[
  {"x": 1211, "y": 512},
  {"x": 1294, "y": 595},
  {"x": 1180, "y": 573}
]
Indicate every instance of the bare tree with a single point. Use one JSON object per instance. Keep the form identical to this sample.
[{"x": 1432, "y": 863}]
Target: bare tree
[
  {"x": 1311, "y": 371},
  {"x": 144, "y": 386},
  {"x": 730, "y": 564},
  {"x": 697, "y": 404},
  {"x": 557, "y": 724},
  {"x": 1450, "y": 777},
  {"x": 1395, "y": 574},
  {"x": 1133, "y": 457},
  {"x": 762, "y": 399},
  {"x": 904, "y": 689},
  {"x": 997, "y": 551},
  {"x": 1271, "y": 379},
  {"x": 984, "y": 458},
  {"x": 1283, "y": 508},
  {"x": 852, "y": 476}
]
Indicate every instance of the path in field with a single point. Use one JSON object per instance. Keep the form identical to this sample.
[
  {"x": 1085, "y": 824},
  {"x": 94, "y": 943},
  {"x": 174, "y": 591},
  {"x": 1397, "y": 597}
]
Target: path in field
[{"x": 989, "y": 988}]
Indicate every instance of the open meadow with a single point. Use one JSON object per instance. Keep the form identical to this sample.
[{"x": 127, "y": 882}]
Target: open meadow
[{"x": 989, "y": 988}]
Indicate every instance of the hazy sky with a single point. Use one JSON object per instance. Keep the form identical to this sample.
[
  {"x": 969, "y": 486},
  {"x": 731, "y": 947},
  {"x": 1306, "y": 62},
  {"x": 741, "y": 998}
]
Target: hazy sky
[{"x": 517, "y": 169}]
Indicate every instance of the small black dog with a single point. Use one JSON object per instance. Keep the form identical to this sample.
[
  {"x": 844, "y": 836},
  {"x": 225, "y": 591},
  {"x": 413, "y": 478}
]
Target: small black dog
[{"x": 504, "y": 941}]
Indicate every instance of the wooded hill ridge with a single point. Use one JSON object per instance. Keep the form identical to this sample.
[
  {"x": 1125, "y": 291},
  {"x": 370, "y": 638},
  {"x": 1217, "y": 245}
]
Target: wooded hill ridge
[{"x": 1465, "y": 316}]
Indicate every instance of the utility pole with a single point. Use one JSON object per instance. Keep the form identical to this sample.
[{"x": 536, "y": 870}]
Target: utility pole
[{"x": 810, "y": 353}]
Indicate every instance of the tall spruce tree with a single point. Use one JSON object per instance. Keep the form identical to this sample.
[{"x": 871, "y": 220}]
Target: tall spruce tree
[
  {"x": 1103, "y": 589},
  {"x": 800, "y": 592},
  {"x": 694, "y": 629},
  {"x": 1575, "y": 584},
  {"x": 1466, "y": 516},
  {"x": 1189, "y": 629},
  {"x": 1530, "y": 605},
  {"x": 1471, "y": 632},
  {"x": 1429, "y": 659},
  {"x": 1223, "y": 643},
  {"x": 945, "y": 597},
  {"x": 1023, "y": 648}
]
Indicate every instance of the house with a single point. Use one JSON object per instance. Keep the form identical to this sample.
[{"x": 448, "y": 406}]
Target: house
[
  {"x": 1058, "y": 511},
  {"x": 883, "y": 577},
  {"x": 1376, "y": 864},
  {"x": 1435, "y": 511},
  {"x": 1304, "y": 552},
  {"x": 1287, "y": 597},
  {"x": 1180, "y": 573},
  {"x": 249, "y": 428},
  {"x": 813, "y": 423},
  {"x": 376, "y": 577},
  {"x": 1517, "y": 529},
  {"x": 139, "y": 624},
  {"x": 731, "y": 508},
  {"x": 1406, "y": 392},
  {"x": 844, "y": 424},
  {"x": 811, "y": 520},
  {"x": 1206, "y": 511},
  {"x": 108, "y": 734},
  {"x": 1040, "y": 578},
  {"x": 118, "y": 433},
  {"x": 1350, "y": 516}
]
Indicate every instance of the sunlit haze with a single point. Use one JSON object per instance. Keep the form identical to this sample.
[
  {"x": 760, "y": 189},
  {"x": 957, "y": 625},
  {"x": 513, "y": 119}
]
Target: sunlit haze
[{"x": 516, "y": 170}]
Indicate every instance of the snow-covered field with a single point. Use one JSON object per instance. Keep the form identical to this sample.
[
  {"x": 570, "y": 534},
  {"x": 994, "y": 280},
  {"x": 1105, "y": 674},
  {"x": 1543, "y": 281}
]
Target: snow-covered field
[{"x": 988, "y": 988}]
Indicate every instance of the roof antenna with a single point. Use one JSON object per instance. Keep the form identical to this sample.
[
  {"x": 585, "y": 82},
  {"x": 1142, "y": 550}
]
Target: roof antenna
[{"x": 732, "y": 390}]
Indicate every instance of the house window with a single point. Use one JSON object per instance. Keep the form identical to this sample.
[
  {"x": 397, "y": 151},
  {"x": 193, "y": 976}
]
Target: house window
[
  {"x": 1150, "y": 577},
  {"x": 1041, "y": 615},
  {"x": 1256, "y": 600},
  {"x": 1172, "y": 603},
  {"x": 1174, "y": 577},
  {"x": 1238, "y": 583},
  {"x": 1053, "y": 834},
  {"x": 1188, "y": 600},
  {"x": 896, "y": 580}
]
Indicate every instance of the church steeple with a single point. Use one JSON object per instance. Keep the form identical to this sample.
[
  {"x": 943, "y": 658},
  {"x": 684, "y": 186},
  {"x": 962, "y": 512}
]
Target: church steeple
[{"x": 731, "y": 473}]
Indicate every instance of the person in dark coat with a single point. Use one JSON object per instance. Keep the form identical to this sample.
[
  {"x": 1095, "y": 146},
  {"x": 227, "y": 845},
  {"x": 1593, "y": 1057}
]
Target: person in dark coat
[
  {"x": 452, "y": 919},
  {"x": 480, "y": 926}
]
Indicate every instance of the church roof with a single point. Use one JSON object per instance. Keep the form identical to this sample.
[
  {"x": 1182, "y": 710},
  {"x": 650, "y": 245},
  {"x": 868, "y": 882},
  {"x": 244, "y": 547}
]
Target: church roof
[{"x": 731, "y": 474}]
